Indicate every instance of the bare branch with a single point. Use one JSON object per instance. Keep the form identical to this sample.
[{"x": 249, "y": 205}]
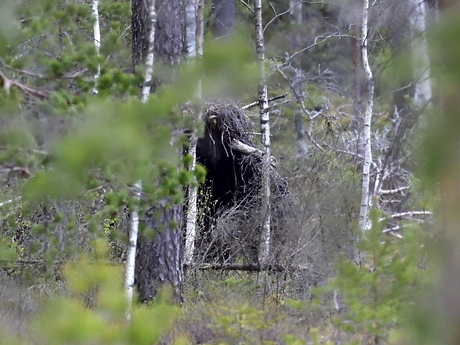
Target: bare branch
[
  {"x": 9, "y": 83},
  {"x": 246, "y": 267},
  {"x": 305, "y": 110},
  {"x": 394, "y": 191},
  {"x": 256, "y": 103},
  {"x": 247, "y": 6},
  {"x": 407, "y": 215}
]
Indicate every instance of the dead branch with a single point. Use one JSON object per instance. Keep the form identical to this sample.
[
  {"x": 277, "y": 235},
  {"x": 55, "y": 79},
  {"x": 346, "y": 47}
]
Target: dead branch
[
  {"x": 393, "y": 191},
  {"x": 256, "y": 103},
  {"x": 407, "y": 215},
  {"x": 246, "y": 267},
  {"x": 9, "y": 83},
  {"x": 305, "y": 110},
  {"x": 249, "y": 267}
]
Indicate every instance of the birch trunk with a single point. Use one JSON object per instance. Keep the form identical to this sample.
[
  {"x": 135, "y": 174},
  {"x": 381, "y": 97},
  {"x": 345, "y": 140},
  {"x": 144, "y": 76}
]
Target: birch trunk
[
  {"x": 190, "y": 230},
  {"x": 150, "y": 54},
  {"x": 159, "y": 260},
  {"x": 97, "y": 39},
  {"x": 366, "y": 139},
  {"x": 199, "y": 35},
  {"x": 265, "y": 238},
  {"x": 420, "y": 58},
  {"x": 134, "y": 228},
  {"x": 190, "y": 27},
  {"x": 131, "y": 253}
]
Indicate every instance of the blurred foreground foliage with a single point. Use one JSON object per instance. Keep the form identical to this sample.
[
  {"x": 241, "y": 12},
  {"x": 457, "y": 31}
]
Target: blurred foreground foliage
[
  {"x": 93, "y": 309},
  {"x": 71, "y": 158}
]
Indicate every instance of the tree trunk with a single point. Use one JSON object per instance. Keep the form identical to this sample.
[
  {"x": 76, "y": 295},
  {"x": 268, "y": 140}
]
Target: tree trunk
[
  {"x": 366, "y": 140},
  {"x": 357, "y": 80},
  {"x": 190, "y": 225},
  {"x": 97, "y": 39},
  {"x": 131, "y": 252},
  {"x": 190, "y": 230},
  {"x": 140, "y": 23},
  {"x": 170, "y": 29},
  {"x": 420, "y": 58},
  {"x": 159, "y": 260},
  {"x": 265, "y": 237},
  {"x": 190, "y": 27},
  {"x": 224, "y": 17},
  {"x": 199, "y": 35},
  {"x": 150, "y": 58}
]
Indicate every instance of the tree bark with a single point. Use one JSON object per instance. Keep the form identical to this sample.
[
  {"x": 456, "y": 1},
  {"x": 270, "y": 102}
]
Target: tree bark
[
  {"x": 150, "y": 57},
  {"x": 159, "y": 260},
  {"x": 265, "y": 237},
  {"x": 420, "y": 58},
  {"x": 169, "y": 33},
  {"x": 190, "y": 230},
  {"x": 97, "y": 39},
  {"x": 199, "y": 36},
  {"x": 131, "y": 253},
  {"x": 190, "y": 27},
  {"x": 366, "y": 140},
  {"x": 140, "y": 26}
]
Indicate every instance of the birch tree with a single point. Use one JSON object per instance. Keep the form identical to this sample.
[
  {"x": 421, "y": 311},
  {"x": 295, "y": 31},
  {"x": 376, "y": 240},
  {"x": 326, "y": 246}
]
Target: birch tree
[
  {"x": 134, "y": 225},
  {"x": 265, "y": 237},
  {"x": 420, "y": 58},
  {"x": 366, "y": 138},
  {"x": 190, "y": 27},
  {"x": 131, "y": 252},
  {"x": 150, "y": 58},
  {"x": 195, "y": 51},
  {"x": 159, "y": 260},
  {"x": 97, "y": 39}
]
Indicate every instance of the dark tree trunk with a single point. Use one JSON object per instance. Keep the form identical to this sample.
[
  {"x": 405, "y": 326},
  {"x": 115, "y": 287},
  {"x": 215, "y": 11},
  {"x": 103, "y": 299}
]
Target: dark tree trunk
[
  {"x": 140, "y": 28},
  {"x": 170, "y": 31},
  {"x": 159, "y": 260},
  {"x": 224, "y": 17}
]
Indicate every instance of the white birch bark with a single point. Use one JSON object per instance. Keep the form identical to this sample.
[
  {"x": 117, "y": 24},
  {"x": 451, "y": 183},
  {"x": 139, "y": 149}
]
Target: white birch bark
[
  {"x": 190, "y": 27},
  {"x": 97, "y": 39},
  {"x": 150, "y": 54},
  {"x": 190, "y": 230},
  {"x": 265, "y": 237},
  {"x": 131, "y": 254},
  {"x": 420, "y": 58},
  {"x": 199, "y": 35},
  {"x": 367, "y": 149},
  {"x": 134, "y": 226}
]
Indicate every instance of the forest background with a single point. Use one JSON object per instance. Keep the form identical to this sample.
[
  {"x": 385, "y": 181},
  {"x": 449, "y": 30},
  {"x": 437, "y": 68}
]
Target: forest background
[{"x": 365, "y": 135}]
